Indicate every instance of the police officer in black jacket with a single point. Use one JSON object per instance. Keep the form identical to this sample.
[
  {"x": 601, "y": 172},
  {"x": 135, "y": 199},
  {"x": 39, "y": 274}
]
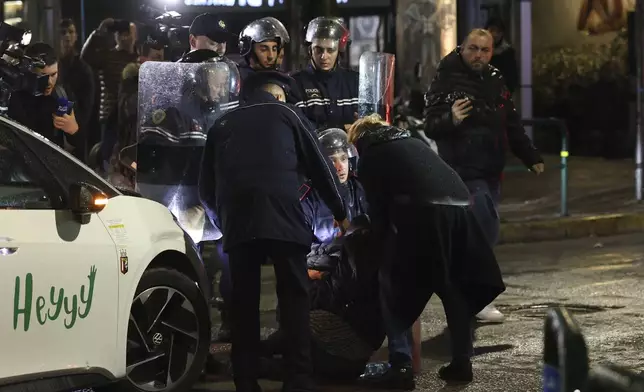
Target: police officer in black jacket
[
  {"x": 256, "y": 159},
  {"x": 329, "y": 93}
]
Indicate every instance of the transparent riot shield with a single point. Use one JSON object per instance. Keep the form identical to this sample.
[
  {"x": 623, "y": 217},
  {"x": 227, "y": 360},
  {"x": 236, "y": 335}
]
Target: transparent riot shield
[
  {"x": 376, "y": 89},
  {"x": 178, "y": 104}
]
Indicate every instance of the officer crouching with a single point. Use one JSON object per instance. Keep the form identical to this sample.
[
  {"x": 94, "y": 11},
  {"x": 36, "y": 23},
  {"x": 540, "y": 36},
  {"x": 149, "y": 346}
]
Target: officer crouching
[{"x": 255, "y": 160}]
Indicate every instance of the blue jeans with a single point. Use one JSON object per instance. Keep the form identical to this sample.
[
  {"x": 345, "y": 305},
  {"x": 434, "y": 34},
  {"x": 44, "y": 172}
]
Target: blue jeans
[
  {"x": 400, "y": 343},
  {"x": 486, "y": 195}
]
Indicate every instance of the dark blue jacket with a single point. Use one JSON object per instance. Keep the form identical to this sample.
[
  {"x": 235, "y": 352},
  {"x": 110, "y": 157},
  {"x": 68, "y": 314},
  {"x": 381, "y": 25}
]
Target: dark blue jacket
[
  {"x": 324, "y": 252},
  {"x": 329, "y": 99},
  {"x": 255, "y": 161}
]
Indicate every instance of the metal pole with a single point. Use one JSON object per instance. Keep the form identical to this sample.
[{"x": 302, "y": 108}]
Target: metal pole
[
  {"x": 564, "y": 170},
  {"x": 639, "y": 42},
  {"x": 82, "y": 20},
  {"x": 526, "y": 62}
]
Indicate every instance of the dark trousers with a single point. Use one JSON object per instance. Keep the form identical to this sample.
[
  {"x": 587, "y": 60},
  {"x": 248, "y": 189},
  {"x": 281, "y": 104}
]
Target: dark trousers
[
  {"x": 289, "y": 261},
  {"x": 486, "y": 195},
  {"x": 459, "y": 322}
]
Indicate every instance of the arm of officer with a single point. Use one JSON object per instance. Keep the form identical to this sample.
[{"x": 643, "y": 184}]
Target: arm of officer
[
  {"x": 519, "y": 142},
  {"x": 318, "y": 167}
]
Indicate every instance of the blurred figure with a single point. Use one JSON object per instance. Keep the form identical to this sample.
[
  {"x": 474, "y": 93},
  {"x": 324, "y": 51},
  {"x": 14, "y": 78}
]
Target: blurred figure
[
  {"x": 108, "y": 62},
  {"x": 77, "y": 78},
  {"x": 504, "y": 56},
  {"x": 39, "y": 112},
  {"x": 123, "y": 162}
]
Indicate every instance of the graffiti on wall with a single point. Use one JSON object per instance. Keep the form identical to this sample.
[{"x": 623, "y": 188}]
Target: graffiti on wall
[{"x": 423, "y": 25}]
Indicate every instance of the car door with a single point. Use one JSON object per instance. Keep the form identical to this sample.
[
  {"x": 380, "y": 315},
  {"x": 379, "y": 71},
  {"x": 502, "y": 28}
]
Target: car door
[{"x": 58, "y": 278}]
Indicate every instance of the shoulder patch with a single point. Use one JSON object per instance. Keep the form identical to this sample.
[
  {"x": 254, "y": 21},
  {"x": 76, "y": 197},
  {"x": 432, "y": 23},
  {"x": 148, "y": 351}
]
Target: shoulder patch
[{"x": 158, "y": 116}]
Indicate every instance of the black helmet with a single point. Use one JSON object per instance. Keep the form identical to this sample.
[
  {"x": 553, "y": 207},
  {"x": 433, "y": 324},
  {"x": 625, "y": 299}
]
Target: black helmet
[
  {"x": 324, "y": 27},
  {"x": 334, "y": 140},
  {"x": 261, "y": 30}
]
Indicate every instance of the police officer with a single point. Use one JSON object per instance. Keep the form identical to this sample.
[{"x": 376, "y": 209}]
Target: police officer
[
  {"x": 260, "y": 44},
  {"x": 252, "y": 191},
  {"x": 329, "y": 93},
  {"x": 208, "y": 33}
]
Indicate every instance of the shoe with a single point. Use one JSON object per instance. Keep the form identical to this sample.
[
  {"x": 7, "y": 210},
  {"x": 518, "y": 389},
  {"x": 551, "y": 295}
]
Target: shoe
[
  {"x": 491, "y": 314},
  {"x": 458, "y": 371},
  {"x": 396, "y": 377}
]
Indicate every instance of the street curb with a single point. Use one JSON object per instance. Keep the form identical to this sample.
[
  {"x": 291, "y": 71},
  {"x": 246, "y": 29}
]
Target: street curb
[{"x": 572, "y": 227}]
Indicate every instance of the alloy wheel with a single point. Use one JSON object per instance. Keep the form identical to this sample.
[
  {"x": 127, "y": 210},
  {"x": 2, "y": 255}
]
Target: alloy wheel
[{"x": 163, "y": 337}]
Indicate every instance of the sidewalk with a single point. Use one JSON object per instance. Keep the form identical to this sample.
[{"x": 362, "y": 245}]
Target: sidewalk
[{"x": 601, "y": 201}]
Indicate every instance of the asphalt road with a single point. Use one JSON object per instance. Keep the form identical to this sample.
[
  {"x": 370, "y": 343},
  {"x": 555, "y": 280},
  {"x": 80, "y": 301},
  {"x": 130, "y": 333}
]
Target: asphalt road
[{"x": 599, "y": 279}]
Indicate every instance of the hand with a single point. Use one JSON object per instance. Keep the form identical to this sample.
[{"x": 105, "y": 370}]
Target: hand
[
  {"x": 66, "y": 123},
  {"x": 343, "y": 225},
  {"x": 315, "y": 274},
  {"x": 133, "y": 165},
  {"x": 460, "y": 110},
  {"x": 538, "y": 168}
]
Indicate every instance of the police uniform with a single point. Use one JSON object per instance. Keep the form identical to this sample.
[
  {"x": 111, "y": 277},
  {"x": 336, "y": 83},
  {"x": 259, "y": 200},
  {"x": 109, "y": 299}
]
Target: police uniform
[
  {"x": 329, "y": 99},
  {"x": 255, "y": 159}
]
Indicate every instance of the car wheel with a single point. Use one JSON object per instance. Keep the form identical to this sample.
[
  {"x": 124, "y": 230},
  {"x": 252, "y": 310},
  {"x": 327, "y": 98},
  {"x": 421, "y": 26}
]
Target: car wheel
[{"x": 168, "y": 335}]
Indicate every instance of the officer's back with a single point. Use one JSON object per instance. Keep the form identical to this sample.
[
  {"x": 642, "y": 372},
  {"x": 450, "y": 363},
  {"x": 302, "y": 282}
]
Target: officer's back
[{"x": 258, "y": 170}]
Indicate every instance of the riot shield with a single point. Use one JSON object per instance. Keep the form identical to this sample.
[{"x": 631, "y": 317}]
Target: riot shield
[
  {"x": 376, "y": 90},
  {"x": 178, "y": 104}
]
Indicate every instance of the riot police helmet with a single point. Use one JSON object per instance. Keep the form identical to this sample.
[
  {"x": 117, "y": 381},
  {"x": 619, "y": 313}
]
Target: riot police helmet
[
  {"x": 335, "y": 140},
  {"x": 214, "y": 82},
  {"x": 331, "y": 28},
  {"x": 262, "y": 30}
]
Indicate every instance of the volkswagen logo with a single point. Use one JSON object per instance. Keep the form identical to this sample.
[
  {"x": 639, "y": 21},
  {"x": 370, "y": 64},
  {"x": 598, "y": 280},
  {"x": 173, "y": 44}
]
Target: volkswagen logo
[{"x": 157, "y": 339}]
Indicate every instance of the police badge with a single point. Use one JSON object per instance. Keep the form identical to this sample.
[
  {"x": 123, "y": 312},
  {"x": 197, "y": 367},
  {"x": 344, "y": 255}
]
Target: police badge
[{"x": 158, "y": 116}]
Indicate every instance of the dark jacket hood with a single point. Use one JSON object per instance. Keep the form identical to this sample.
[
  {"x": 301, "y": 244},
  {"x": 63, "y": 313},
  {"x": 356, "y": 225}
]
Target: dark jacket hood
[{"x": 381, "y": 135}]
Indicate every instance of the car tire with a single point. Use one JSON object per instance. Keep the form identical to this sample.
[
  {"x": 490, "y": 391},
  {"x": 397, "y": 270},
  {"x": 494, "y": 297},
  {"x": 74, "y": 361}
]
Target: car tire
[{"x": 183, "y": 316}]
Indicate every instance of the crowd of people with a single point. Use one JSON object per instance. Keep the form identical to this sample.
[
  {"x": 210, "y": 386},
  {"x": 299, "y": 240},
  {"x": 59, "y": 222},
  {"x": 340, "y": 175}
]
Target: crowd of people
[{"x": 362, "y": 222}]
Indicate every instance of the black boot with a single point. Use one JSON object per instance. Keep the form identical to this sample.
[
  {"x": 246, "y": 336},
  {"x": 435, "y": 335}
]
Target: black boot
[
  {"x": 398, "y": 377},
  {"x": 458, "y": 371}
]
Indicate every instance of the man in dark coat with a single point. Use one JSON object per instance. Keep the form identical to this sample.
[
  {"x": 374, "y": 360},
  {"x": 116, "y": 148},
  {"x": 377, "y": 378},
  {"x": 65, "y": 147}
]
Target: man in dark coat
[
  {"x": 256, "y": 158},
  {"x": 427, "y": 236},
  {"x": 471, "y": 116}
]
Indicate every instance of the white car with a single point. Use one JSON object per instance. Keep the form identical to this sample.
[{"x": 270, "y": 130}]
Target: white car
[{"x": 97, "y": 288}]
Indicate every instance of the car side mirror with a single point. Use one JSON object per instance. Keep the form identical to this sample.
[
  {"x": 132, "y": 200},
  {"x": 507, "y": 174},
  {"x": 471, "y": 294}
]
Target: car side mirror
[{"x": 86, "y": 199}]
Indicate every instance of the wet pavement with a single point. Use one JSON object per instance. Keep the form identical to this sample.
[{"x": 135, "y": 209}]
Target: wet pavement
[{"x": 599, "y": 279}]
